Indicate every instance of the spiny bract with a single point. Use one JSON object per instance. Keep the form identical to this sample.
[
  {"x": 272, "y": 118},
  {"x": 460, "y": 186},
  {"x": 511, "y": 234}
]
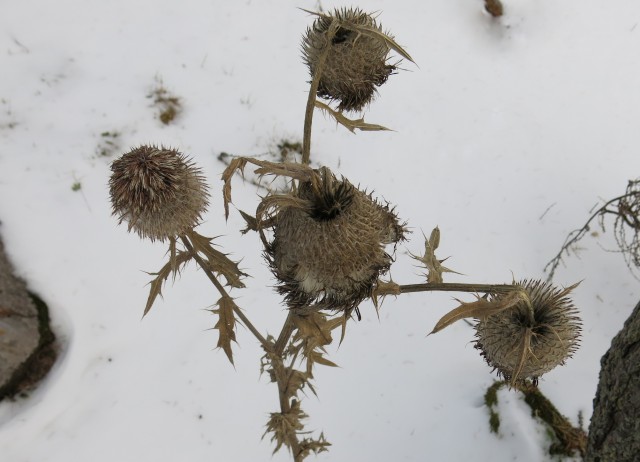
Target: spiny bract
[
  {"x": 535, "y": 336},
  {"x": 158, "y": 191},
  {"x": 356, "y": 62},
  {"x": 329, "y": 251}
]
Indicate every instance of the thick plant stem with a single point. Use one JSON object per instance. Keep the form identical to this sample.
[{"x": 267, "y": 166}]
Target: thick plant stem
[
  {"x": 449, "y": 287},
  {"x": 313, "y": 90},
  {"x": 238, "y": 312}
]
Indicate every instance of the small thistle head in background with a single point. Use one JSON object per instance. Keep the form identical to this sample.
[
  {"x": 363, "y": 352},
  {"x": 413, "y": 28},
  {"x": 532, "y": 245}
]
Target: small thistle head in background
[
  {"x": 356, "y": 62},
  {"x": 158, "y": 191},
  {"x": 537, "y": 334},
  {"x": 328, "y": 248}
]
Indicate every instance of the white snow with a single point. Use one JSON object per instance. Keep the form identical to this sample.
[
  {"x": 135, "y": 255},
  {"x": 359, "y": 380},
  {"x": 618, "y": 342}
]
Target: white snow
[{"x": 506, "y": 134}]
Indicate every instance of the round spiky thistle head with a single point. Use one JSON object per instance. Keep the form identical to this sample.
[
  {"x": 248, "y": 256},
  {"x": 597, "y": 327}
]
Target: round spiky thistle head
[
  {"x": 158, "y": 191},
  {"x": 537, "y": 334},
  {"x": 356, "y": 61},
  {"x": 329, "y": 248}
]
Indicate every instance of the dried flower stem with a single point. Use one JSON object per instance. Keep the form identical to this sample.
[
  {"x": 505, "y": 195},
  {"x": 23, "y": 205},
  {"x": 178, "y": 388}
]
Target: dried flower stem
[
  {"x": 263, "y": 341},
  {"x": 313, "y": 90},
  {"x": 448, "y": 287}
]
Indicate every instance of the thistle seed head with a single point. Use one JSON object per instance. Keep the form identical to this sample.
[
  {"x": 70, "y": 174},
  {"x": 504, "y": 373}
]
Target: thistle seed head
[
  {"x": 158, "y": 191},
  {"x": 541, "y": 332},
  {"x": 356, "y": 62},
  {"x": 329, "y": 252}
]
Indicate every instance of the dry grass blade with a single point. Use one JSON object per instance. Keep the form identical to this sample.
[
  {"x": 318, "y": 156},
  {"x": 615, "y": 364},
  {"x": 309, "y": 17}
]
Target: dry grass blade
[
  {"x": 350, "y": 124},
  {"x": 175, "y": 262},
  {"x": 226, "y": 325},
  {"x": 218, "y": 262},
  {"x": 481, "y": 308}
]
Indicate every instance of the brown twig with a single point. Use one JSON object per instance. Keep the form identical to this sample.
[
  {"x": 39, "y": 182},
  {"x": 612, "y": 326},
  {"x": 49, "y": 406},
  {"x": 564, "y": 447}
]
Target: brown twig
[{"x": 574, "y": 236}]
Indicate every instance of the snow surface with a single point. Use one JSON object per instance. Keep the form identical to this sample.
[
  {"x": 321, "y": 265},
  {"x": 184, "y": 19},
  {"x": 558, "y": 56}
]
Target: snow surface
[{"x": 507, "y": 134}]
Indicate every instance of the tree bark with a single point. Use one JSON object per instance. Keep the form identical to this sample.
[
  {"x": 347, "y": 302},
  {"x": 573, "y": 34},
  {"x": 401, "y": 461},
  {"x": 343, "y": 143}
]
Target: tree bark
[{"x": 614, "y": 432}]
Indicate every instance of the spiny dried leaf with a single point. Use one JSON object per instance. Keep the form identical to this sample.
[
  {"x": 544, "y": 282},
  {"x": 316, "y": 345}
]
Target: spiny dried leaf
[
  {"x": 382, "y": 289},
  {"x": 350, "y": 124},
  {"x": 293, "y": 170},
  {"x": 176, "y": 261},
  {"x": 296, "y": 382},
  {"x": 378, "y": 34},
  {"x": 312, "y": 333},
  {"x": 287, "y": 169},
  {"x": 309, "y": 445},
  {"x": 284, "y": 427},
  {"x": 431, "y": 263},
  {"x": 318, "y": 357},
  {"x": 480, "y": 309},
  {"x": 237, "y": 164},
  {"x": 312, "y": 326},
  {"x": 252, "y": 222},
  {"x": 218, "y": 261},
  {"x": 226, "y": 325}
]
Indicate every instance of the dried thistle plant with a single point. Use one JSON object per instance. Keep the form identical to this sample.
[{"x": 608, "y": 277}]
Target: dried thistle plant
[{"x": 327, "y": 242}]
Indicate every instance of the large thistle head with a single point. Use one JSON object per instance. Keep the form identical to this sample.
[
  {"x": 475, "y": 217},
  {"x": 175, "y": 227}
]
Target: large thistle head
[
  {"x": 356, "y": 58},
  {"x": 158, "y": 191},
  {"x": 538, "y": 333},
  {"x": 328, "y": 247}
]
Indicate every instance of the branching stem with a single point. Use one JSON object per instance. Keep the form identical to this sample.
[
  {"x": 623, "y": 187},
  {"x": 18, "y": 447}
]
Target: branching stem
[{"x": 263, "y": 341}]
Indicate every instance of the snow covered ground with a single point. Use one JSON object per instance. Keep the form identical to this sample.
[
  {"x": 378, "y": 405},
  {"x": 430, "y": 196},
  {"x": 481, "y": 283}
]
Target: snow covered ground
[{"x": 506, "y": 134}]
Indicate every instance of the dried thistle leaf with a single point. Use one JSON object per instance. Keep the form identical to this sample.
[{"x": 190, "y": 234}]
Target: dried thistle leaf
[
  {"x": 226, "y": 325},
  {"x": 312, "y": 326},
  {"x": 378, "y": 34},
  {"x": 309, "y": 445},
  {"x": 285, "y": 427},
  {"x": 251, "y": 221},
  {"x": 431, "y": 263},
  {"x": 174, "y": 264},
  {"x": 237, "y": 164},
  {"x": 480, "y": 309},
  {"x": 218, "y": 261},
  {"x": 350, "y": 124},
  {"x": 382, "y": 289},
  {"x": 297, "y": 380},
  {"x": 272, "y": 204}
]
